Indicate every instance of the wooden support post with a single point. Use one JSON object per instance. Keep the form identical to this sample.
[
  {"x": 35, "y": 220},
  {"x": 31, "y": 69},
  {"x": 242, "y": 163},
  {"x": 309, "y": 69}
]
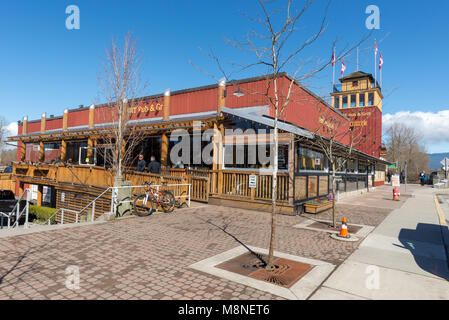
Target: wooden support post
[
  {"x": 220, "y": 182},
  {"x": 215, "y": 149},
  {"x": 63, "y": 150},
  {"x": 65, "y": 120},
  {"x": 221, "y": 95},
  {"x": 164, "y": 150},
  {"x": 23, "y": 145},
  {"x": 23, "y": 151},
  {"x": 41, "y": 144},
  {"x": 291, "y": 170},
  {"x": 91, "y": 116},
  {"x": 40, "y": 191},
  {"x": 41, "y": 151},
  {"x": 90, "y": 152},
  {"x": 21, "y": 188},
  {"x": 166, "y": 110},
  {"x": 43, "y": 122}
]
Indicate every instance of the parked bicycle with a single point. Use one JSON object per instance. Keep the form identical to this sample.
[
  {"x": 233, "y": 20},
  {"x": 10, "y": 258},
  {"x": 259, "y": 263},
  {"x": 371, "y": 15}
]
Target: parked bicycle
[{"x": 144, "y": 204}]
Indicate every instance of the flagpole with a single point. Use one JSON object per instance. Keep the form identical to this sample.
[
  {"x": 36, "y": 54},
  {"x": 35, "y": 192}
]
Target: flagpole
[
  {"x": 333, "y": 70},
  {"x": 357, "y": 59},
  {"x": 375, "y": 62},
  {"x": 381, "y": 76}
]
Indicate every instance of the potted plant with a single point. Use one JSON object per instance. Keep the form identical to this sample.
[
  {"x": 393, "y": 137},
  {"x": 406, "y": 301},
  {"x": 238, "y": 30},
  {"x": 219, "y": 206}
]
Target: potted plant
[{"x": 319, "y": 204}]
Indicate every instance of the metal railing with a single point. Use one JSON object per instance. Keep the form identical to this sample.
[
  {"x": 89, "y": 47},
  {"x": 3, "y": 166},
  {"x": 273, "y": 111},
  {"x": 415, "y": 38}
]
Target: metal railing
[
  {"x": 17, "y": 212},
  {"x": 114, "y": 201},
  {"x": 78, "y": 213}
]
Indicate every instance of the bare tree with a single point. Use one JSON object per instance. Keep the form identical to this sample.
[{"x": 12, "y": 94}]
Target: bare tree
[
  {"x": 404, "y": 146},
  {"x": 2, "y": 136},
  {"x": 337, "y": 138},
  {"x": 120, "y": 81},
  {"x": 275, "y": 47}
]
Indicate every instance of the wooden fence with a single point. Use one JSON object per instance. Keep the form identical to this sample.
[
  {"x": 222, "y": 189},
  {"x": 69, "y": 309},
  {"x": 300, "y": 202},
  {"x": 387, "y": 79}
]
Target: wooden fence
[
  {"x": 237, "y": 183},
  {"x": 6, "y": 182},
  {"x": 203, "y": 182}
]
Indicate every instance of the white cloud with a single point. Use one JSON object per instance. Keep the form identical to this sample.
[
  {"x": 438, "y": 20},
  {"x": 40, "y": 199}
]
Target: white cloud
[
  {"x": 11, "y": 129},
  {"x": 433, "y": 127}
]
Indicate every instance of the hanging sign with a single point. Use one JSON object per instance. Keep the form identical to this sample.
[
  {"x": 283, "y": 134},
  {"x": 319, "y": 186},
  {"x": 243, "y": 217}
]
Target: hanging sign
[{"x": 252, "y": 181}]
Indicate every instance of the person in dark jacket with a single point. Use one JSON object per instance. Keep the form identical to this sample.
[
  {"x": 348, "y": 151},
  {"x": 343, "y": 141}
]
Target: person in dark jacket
[
  {"x": 141, "y": 164},
  {"x": 154, "y": 166}
]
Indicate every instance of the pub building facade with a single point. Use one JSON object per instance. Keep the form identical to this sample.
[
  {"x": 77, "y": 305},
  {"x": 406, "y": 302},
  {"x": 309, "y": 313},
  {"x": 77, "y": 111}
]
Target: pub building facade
[{"x": 66, "y": 154}]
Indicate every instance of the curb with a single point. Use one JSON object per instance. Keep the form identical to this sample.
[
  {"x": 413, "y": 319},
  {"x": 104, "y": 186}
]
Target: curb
[{"x": 443, "y": 227}]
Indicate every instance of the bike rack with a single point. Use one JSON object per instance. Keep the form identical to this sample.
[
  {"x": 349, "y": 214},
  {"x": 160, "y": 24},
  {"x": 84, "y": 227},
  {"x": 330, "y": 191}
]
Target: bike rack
[{"x": 115, "y": 202}]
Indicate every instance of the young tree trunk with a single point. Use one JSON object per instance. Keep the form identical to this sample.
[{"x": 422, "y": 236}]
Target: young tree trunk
[
  {"x": 274, "y": 195},
  {"x": 334, "y": 218}
]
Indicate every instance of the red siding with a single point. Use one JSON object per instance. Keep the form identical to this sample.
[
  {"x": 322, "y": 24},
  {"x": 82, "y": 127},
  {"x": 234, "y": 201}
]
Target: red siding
[
  {"x": 52, "y": 124},
  {"x": 196, "y": 101},
  {"x": 34, "y": 126},
  {"x": 373, "y": 128},
  {"x": 305, "y": 111},
  {"x": 78, "y": 118}
]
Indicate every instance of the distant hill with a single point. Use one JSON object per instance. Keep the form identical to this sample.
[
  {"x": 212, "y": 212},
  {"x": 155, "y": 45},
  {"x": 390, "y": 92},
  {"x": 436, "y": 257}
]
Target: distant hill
[{"x": 435, "y": 158}]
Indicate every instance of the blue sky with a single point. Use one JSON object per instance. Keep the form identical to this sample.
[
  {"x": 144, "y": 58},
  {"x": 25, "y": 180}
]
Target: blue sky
[{"x": 48, "y": 68}]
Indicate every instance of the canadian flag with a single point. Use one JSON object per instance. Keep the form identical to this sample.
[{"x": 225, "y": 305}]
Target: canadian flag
[
  {"x": 333, "y": 58},
  {"x": 343, "y": 68},
  {"x": 375, "y": 48},
  {"x": 381, "y": 61}
]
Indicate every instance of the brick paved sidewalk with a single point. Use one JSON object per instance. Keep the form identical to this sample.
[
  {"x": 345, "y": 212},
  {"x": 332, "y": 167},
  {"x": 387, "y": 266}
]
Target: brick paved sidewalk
[{"x": 148, "y": 258}]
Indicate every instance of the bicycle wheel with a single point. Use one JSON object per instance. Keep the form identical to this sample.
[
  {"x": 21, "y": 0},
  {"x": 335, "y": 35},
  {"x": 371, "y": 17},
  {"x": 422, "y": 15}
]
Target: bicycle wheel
[
  {"x": 167, "y": 201},
  {"x": 143, "y": 205},
  {"x": 117, "y": 211}
]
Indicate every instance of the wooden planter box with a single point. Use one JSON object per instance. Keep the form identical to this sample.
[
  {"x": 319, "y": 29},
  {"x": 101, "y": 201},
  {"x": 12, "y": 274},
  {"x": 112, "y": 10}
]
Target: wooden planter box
[{"x": 318, "y": 207}]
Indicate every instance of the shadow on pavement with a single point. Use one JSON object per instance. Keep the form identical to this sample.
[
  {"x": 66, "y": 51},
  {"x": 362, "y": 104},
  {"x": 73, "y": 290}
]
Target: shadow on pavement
[{"x": 425, "y": 244}]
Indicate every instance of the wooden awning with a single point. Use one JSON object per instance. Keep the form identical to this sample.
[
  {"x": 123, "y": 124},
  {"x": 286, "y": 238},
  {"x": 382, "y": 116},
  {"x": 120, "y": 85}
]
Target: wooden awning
[{"x": 109, "y": 130}]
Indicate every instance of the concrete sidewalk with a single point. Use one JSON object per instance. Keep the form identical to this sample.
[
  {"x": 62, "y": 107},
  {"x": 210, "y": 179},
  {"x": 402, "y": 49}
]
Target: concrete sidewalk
[{"x": 403, "y": 258}]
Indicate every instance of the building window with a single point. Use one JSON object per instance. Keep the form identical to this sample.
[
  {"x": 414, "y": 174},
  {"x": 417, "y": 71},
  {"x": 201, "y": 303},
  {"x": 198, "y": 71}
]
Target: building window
[
  {"x": 73, "y": 150},
  {"x": 247, "y": 156},
  {"x": 361, "y": 100},
  {"x": 337, "y": 101},
  {"x": 371, "y": 99},
  {"x": 362, "y": 168},
  {"x": 351, "y": 166},
  {"x": 311, "y": 160},
  {"x": 345, "y": 102},
  {"x": 52, "y": 152},
  {"x": 353, "y": 98},
  {"x": 355, "y": 83}
]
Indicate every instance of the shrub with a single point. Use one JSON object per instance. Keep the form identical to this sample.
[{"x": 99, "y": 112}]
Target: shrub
[{"x": 42, "y": 213}]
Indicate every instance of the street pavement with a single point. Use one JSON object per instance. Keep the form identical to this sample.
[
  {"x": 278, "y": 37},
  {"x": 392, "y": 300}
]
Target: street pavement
[
  {"x": 150, "y": 258},
  {"x": 403, "y": 258}
]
